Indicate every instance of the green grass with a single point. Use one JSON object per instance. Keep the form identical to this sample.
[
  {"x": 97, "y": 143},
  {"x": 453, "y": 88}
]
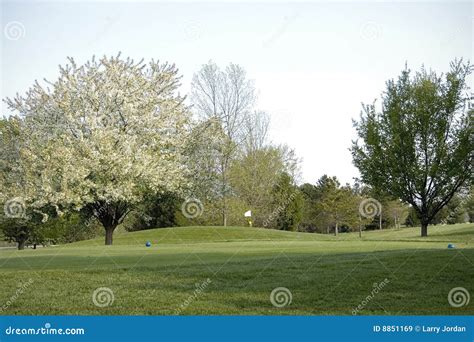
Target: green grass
[{"x": 325, "y": 274}]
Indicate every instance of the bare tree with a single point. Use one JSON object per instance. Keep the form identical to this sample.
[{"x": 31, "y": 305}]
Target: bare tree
[
  {"x": 228, "y": 97},
  {"x": 256, "y": 131}
]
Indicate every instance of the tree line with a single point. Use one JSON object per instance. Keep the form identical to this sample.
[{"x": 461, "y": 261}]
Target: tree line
[{"x": 113, "y": 143}]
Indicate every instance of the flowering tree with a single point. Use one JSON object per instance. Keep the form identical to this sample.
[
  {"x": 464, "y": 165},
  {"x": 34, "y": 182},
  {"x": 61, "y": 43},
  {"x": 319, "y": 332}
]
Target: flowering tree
[{"x": 101, "y": 137}]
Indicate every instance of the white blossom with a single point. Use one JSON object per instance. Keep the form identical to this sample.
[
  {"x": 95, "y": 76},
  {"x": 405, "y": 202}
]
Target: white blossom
[{"x": 105, "y": 131}]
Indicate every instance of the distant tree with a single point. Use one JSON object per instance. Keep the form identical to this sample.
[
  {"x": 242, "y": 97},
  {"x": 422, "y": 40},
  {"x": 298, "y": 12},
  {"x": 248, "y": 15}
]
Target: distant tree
[
  {"x": 469, "y": 205},
  {"x": 255, "y": 131},
  {"x": 287, "y": 203},
  {"x": 419, "y": 147},
  {"x": 155, "y": 211},
  {"x": 30, "y": 229},
  {"x": 456, "y": 211},
  {"x": 227, "y": 97},
  {"x": 77, "y": 226},
  {"x": 338, "y": 204},
  {"x": 101, "y": 137},
  {"x": 18, "y": 232},
  {"x": 396, "y": 211},
  {"x": 309, "y": 221},
  {"x": 412, "y": 219},
  {"x": 253, "y": 177},
  {"x": 315, "y": 217}
]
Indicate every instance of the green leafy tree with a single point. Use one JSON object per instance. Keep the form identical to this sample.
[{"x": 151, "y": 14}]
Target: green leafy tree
[
  {"x": 76, "y": 226},
  {"x": 469, "y": 205},
  {"x": 457, "y": 210},
  {"x": 454, "y": 212},
  {"x": 287, "y": 203},
  {"x": 419, "y": 146},
  {"x": 32, "y": 227},
  {"x": 310, "y": 221},
  {"x": 338, "y": 204},
  {"x": 412, "y": 219},
  {"x": 253, "y": 177},
  {"x": 16, "y": 231},
  {"x": 155, "y": 211},
  {"x": 396, "y": 212}
]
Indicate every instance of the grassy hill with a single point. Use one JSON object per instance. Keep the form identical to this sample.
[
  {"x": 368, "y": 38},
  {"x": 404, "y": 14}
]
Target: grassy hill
[
  {"x": 449, "y": 233},
  {"x": 325, "y": 274}
]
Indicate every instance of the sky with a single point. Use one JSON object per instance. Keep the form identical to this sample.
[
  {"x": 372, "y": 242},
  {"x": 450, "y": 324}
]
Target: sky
[{"x": 313, "y": 63}]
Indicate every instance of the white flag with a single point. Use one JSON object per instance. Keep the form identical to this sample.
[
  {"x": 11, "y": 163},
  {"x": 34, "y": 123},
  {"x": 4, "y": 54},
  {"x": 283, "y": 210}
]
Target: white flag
[{"x": 248, "y": 214}]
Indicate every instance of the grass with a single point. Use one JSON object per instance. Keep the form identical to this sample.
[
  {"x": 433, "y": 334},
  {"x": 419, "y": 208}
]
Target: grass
[{"x": 325, "y": 274}]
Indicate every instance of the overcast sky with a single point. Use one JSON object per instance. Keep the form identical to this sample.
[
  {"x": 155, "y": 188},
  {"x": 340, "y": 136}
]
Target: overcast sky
[{"x": 313, "y": 63}]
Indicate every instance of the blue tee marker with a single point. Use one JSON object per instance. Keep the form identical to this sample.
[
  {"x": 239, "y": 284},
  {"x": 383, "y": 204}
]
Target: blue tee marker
[
  {"x": 148, "y": 244},
  {"x": 451, "y": 246}
]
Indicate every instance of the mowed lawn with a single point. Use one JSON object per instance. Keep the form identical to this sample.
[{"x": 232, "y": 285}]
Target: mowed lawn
[{"x": 325, "y": 274}]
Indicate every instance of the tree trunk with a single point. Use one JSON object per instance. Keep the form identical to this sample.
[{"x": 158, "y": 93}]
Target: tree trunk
[
  {"x": 335, "y": 230},
  {"x": 224, "y": 194},
  {"x": 21, "y": 244},
  {"x": 110, "y": 215},
  {"x": 109, "y": 232},
  {"x": 424, "y": 229}
]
